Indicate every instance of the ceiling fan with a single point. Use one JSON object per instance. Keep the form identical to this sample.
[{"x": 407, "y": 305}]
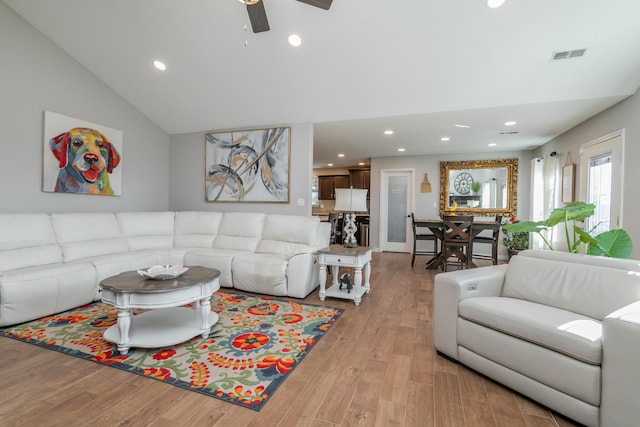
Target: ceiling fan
[{"x": 258, "y": 16}]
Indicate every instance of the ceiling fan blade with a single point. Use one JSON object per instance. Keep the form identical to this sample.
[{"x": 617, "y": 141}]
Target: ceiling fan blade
[
  {"x": 258, "y": 17},
  {"x": 322, "y": 4}
]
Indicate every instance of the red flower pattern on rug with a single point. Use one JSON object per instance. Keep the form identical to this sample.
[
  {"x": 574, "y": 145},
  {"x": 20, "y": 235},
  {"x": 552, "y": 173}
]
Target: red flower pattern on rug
[{"x": 250, "y": 351}]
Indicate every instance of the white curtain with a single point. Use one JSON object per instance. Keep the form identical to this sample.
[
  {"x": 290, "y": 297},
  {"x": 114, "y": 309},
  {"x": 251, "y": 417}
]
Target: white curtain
[
  {"x": 552, "y": 194},
  {"x": 545, "y": 183}
]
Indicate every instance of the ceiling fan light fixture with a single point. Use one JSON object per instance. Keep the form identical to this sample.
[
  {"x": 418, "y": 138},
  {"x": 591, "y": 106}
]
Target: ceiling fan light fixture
[{"x": 249, "y": 2}]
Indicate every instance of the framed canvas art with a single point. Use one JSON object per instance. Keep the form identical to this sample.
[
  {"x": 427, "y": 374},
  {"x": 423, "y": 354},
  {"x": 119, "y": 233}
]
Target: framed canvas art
[
  {"x": 81, "y": 157},
  {"x": 248, "y": 165}
]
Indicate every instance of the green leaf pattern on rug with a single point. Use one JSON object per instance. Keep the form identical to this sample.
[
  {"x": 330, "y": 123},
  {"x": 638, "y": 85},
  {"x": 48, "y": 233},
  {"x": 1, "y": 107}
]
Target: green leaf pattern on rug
[{"x": 255, "y": 344}]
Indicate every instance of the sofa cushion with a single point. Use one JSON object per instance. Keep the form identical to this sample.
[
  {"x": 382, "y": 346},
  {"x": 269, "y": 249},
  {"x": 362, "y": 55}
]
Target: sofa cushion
[
  {"x": 260, "y": 273},
  {"x": 27, "y": 240},
  {"x": 196, "y": 229},
  {"x": 592, "y": 291},
  {"x": 551, "y": 368},
  {"x": 147, "y": 230},
  {"x": 32, "y": 292},
  {"x": 217, "y": 258},
  {"x": 83, "y": 235},
  {"x": 113, "y": 264},
  {"x": 289, "y": 234},
  {"x": 574, "y": 335},
  {"x": 240, "y": 231}
]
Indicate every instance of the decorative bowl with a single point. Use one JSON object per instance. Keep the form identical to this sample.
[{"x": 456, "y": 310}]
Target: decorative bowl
[{"x": 163, "y": 272}]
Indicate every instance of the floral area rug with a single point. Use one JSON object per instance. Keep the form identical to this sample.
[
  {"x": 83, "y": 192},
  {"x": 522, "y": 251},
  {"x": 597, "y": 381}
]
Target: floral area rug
[{"x": 250, "y": 351}]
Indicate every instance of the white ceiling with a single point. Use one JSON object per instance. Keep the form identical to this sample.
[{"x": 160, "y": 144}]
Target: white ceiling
[{"x": 415, "y": 66}]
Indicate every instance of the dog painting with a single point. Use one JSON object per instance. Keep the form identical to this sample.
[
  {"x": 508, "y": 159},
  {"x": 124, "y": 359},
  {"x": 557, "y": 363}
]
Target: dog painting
[{"x": 84, "y": 158}]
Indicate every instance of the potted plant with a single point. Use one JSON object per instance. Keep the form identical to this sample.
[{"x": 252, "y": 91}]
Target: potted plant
[
  {"x": 612, "y": 243},
  {"x": 475, "y": 187},
  {"x": 514, "y": 241}
]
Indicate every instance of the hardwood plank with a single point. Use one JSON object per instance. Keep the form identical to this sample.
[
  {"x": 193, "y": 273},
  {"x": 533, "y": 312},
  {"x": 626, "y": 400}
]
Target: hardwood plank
[
  {"x": 448, "y": 404},
  {"x": 420, "y": 406},
  {"x": 422, "y": 364},
  {"x": 477, "y": 413},
  {"x": 505, "y": 407},
  {"x": 471, "y": 385}
]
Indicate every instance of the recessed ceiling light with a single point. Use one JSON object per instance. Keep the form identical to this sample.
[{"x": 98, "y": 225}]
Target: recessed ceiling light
[
  {"x": 388, "y": 132},
  {"x": 294, "y": 40},
  {"x": 159, "y": 65},
  {"x": 329, "y": 164},
  {"x": 340, "y": 155},
  {"x": 463, "y": 126},
  {"x": 509, "y": 123},
  {"x": 495, "y": 3},
  {"x": 361, "y": 164},
  {"x": 401, "y": 149},
  {"x": 492, "y": 144},
  {"x": 445, "y": 139}
]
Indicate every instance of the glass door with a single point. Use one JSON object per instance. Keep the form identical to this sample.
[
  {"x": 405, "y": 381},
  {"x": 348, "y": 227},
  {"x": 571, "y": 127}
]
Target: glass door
[{"x": 396, "y": 199}]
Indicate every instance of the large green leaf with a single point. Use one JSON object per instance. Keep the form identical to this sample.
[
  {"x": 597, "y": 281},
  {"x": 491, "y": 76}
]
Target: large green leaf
[
  {"x": 612, "y": 243},
  {"x": 576, "y": 211}
]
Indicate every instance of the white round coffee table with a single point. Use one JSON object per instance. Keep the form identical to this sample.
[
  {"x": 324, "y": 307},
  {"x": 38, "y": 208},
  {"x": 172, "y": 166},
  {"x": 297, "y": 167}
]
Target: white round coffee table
[{"x": 167, "y": 322}]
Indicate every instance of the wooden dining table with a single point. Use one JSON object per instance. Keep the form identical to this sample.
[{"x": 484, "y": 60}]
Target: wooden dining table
[{"x": 436, "y": 226}]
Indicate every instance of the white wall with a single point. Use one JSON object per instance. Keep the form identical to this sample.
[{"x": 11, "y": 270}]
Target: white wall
[
  {"x": 36, "y": 75},
  {"x": 623, "y": 115},
  {"x": 188, "y": 174},
  {"x": 427, "y": 205}
]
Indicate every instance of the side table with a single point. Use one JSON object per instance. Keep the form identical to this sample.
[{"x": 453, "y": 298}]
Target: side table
[{"x": 338, "y": 256}]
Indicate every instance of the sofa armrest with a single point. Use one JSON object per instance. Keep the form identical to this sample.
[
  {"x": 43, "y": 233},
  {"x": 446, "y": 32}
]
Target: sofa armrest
[
  {"x": 451, "y": 288},
  {"x": 620, "y": 372}
]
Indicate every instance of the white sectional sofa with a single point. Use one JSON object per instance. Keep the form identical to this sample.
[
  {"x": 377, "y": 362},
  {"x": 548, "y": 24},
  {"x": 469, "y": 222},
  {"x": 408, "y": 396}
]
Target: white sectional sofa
[
  {"x": 563, "y": 329},
  {"x": 54, "y": 262}
]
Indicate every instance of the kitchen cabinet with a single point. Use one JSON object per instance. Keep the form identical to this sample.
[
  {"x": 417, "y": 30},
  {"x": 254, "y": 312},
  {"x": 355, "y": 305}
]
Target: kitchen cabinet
[{"x": 328, "y": 184}]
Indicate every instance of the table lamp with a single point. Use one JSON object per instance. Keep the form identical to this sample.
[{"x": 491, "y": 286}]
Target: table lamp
[{"x": 350, "y": 200}]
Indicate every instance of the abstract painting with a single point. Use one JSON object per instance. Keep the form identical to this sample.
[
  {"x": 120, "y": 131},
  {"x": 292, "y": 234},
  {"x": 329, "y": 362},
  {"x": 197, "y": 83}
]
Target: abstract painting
[
  {"x": 81, "y": 157},
  {"x": 248, "y": 165}
]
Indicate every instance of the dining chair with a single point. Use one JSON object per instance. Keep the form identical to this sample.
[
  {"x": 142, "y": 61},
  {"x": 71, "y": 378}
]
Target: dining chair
[
  {"x": 458, "y": 240},
  {"x": 492, "y": 240},
  {"x": 420, "y": 234}
]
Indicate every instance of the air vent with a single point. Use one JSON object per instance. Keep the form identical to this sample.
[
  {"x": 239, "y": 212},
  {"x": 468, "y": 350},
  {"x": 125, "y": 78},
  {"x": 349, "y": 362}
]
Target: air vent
[
  {"x": 513, "y": 132},
  {"x": 566, "y": 54}
]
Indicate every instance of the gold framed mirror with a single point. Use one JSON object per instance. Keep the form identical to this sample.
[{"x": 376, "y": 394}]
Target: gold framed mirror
[{"x": 479, "y": 187}]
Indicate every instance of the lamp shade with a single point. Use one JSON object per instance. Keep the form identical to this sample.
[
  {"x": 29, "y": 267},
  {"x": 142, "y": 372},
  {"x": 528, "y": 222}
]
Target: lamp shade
[{"x": 351, "y": 200}]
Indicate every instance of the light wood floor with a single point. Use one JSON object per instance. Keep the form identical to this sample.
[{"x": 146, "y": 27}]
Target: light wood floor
[{"x": 375, "y": 367}]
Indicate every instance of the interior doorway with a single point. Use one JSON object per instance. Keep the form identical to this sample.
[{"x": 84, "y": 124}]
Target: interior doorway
[{"x": 396, "y": 200}]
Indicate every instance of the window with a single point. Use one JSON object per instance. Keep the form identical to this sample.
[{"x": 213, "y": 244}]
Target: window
[{"x": 601, "y": 179}]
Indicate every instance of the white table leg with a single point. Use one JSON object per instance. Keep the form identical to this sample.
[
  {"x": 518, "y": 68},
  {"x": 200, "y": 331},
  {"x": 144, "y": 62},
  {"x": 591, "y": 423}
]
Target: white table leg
[
  {"x": 205, "y": 308},
  {"x": 367, "y": 275},
  {"x": 124, "y": 324},
  {"x": 358, "y": 283},
  {"x": 335, "y": 270},
  {"x": 323, "y": 280}
]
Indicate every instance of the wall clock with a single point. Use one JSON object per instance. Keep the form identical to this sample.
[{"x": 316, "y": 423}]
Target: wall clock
[{"x": 462, "y": 183}]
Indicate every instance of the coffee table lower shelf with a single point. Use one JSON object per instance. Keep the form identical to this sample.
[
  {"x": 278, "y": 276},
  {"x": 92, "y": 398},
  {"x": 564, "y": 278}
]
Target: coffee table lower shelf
[{"x": 163, "y": 327}]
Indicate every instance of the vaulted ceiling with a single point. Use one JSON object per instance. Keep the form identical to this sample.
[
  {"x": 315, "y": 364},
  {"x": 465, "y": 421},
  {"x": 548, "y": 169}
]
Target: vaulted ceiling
[{"x": 418, "y": 67}]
